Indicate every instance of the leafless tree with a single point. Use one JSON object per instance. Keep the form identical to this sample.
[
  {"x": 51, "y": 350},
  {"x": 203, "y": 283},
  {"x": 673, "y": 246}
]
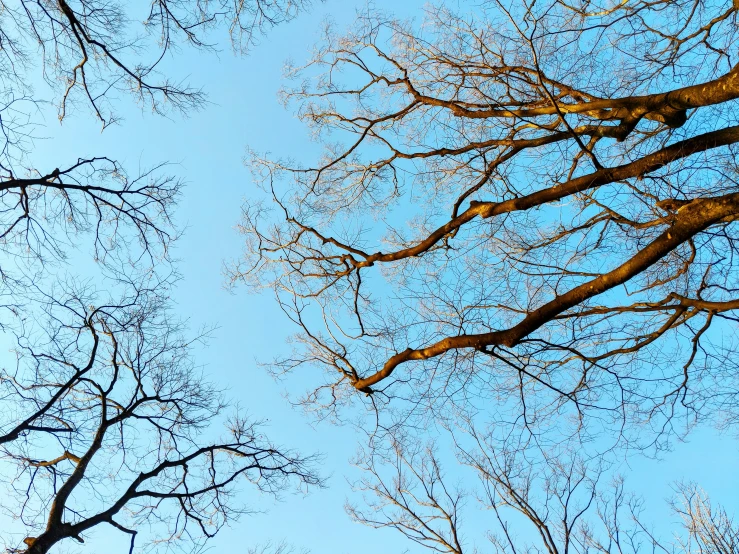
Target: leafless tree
[
  {"x": 106, "y": 421},
  {"x": 549, "y": 193},
  {"x": 93, "y": 54},
  {"x": 537, "y": 504},
  {"x": 710, "y": 528},
  {"x": 414, "y": 499},
  {"x": 90, "y": 50}
]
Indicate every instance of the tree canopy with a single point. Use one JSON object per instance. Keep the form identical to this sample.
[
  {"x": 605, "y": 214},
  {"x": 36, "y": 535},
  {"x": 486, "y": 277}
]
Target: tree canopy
[
  {"x": 520, "y": 239},
  {"x": 105, "y": 418},
  {"x": 530, "y": 209},
  {"x": 513, "y": 257}
]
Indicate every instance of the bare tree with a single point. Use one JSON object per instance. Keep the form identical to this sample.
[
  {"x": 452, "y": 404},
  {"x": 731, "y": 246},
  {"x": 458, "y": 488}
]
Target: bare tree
[
  {"x": 549, "y": 191},
  {"x": 89, "y": 51},
  {"x": 92, "y": 54},
  {"x": 413, "y": 499},
  {"x": 129, "y": 217},
  {"x": 710, "y": 528},
  {"x": 107, "y": 421},
  {"x": 537, "y": 503}
]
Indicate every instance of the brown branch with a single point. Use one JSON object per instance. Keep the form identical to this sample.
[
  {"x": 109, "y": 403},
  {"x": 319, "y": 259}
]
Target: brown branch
[
  {"x": 692, "y": 219},
  {"x": 640, "y": 167}
]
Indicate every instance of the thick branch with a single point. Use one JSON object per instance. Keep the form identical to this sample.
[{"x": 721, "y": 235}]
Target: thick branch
[{"x": 692, "y": 219}]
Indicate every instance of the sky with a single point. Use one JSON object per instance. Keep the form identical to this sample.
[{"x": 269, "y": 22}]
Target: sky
[{"x": 207, "y": 149}]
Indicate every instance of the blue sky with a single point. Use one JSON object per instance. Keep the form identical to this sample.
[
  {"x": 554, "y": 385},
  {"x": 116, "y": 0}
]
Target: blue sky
[{"x": 207, "y": 149}]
